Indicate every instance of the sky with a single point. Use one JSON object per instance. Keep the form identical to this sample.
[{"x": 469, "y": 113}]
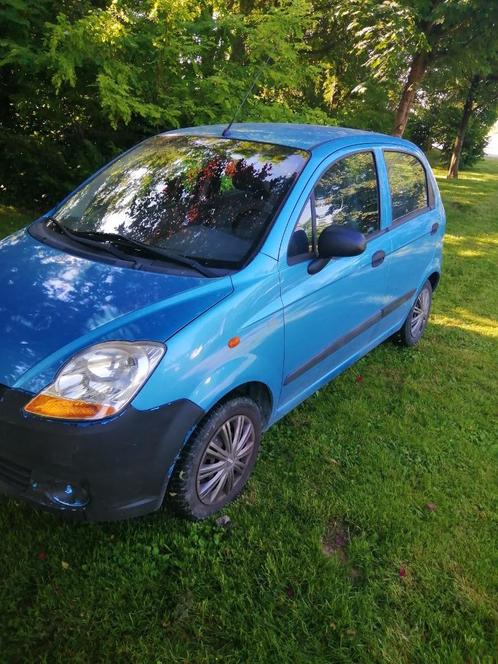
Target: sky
[{"x": 492, "y": 147}]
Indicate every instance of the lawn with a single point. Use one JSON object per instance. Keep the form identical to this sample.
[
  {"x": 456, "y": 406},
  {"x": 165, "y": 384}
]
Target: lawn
[{"x": 368, "y": 533}]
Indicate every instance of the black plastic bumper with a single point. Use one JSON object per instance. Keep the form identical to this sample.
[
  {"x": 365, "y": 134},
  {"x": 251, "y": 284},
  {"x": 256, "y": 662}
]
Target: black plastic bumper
[{"x": 122, "y": 464}]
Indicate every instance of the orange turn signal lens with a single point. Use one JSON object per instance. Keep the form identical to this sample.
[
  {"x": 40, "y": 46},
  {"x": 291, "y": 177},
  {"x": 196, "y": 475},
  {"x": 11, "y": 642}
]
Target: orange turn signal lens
[
  {"x": 67, "y": 409},
  {"x": 233, "y": 342}
]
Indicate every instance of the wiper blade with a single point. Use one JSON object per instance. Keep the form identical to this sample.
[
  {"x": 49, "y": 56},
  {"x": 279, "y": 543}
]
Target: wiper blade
[
  {"x": 155, "y": 252},
  {"x": 87, "y": 241}
]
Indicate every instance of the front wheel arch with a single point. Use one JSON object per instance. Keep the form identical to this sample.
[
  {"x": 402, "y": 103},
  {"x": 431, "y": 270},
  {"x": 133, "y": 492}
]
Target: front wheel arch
[
  {"x": 258, "y": 391},
  {"x": 183, "y": 490}
]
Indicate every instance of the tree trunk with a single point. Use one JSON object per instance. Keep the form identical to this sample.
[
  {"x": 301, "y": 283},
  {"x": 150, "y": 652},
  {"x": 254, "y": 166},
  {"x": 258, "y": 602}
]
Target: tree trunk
[
  {"x": 239, "y": 52},
  {"x": 416, "y": 74},
  {"x": 462, "y": 129}
]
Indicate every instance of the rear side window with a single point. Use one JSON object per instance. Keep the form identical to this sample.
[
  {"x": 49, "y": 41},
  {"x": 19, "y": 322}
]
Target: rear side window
[
  {"x": 408, "y": 183},
  {"x": 347, "y": 194}
]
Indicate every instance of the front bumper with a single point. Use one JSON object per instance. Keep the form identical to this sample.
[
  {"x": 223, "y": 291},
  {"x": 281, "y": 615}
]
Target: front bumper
[{"x": 121, "y": 464}]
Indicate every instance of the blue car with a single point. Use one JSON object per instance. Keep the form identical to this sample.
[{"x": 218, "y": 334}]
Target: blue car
[{"x": 189, "y": 295}]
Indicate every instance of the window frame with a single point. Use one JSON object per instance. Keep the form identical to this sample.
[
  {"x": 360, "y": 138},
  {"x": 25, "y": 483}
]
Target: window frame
[
  {"x": 428, "y": 188},
  {"x": 300, "y": 258}
]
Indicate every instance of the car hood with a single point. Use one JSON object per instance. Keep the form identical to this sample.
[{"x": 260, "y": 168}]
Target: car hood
[{"x": 53, "y": 303}]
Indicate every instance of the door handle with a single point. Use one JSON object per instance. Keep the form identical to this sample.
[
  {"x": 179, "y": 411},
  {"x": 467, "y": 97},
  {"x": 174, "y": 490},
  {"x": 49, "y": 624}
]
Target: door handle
[
  {"x": 434, "y": 228},
  {"x": 378, "y": 258}
]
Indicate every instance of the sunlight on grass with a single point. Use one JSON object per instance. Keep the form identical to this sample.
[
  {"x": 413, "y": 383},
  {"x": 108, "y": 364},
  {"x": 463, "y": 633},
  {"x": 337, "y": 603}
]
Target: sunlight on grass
[
  {"x": 486, "y": 242},
  {"x": 489, "y": 173},
  {"x": 465, "y": 320}
]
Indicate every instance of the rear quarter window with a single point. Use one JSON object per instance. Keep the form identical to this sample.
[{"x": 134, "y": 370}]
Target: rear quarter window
[{"x": 408, "y": 184}]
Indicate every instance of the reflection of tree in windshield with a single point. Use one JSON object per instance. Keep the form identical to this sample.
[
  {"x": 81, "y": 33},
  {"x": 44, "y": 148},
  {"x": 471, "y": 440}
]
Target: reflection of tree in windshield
[{"x": 208, "y": 198}]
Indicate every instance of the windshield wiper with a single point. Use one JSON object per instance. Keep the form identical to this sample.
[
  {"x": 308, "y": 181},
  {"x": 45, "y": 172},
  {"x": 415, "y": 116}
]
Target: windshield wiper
[
  {"x": 77, "y": 237},
  {"x": 104, "y": 240},
  {"x": 154, "y": 252}
]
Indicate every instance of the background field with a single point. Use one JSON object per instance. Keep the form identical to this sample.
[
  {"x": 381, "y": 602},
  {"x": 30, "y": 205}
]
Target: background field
[{"x": 368, "y": 532}]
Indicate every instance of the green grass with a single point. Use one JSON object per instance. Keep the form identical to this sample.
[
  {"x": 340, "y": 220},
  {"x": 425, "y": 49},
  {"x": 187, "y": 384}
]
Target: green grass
[{"x": 368, "y": 533}]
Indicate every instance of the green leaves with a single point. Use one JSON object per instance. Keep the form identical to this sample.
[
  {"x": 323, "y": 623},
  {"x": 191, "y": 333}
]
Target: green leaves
[
  {"x": 79, "y": 73},
  {"x": 174, "y": 58},
  {"x": 385, "y": 34}
]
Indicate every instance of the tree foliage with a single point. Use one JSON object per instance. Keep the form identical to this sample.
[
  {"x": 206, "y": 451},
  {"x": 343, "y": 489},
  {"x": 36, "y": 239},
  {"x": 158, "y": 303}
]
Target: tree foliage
[{"x": 82, "y": 79}]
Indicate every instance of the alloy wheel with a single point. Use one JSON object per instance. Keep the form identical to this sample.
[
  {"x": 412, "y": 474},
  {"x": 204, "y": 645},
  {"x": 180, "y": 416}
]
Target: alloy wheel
[
  {"x": 420, "y": 313},
  {"x": 225, "y": 459}
]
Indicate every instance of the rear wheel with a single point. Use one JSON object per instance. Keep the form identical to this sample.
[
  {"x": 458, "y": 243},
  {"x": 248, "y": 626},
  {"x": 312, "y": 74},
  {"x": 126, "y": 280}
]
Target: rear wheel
[
  {"x": 218, "y": 459},
  {"x": 416, "y": 321}
]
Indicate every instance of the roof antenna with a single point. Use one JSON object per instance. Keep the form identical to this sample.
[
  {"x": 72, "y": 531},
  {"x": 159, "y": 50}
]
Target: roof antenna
[{"x": 254, "y": 81}]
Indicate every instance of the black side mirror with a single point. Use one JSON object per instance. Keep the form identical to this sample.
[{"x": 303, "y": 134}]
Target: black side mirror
[{"x": 336, "y": 241}]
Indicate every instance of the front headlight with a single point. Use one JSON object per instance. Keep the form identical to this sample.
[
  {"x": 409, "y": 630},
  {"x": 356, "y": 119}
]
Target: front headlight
[{"x": 99, "y": 381}]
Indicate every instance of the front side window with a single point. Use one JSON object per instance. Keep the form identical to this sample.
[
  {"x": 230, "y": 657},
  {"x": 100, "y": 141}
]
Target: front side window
[
  {"x": 346, "y": 194},
  {"x": 408, "y": 183},
  {"x": 209, "y": 199}
]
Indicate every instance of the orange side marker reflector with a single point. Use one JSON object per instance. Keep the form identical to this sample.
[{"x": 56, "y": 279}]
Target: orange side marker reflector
[
  {"x": 233, "y": 342},
  {"x": 67, "y": 409}
]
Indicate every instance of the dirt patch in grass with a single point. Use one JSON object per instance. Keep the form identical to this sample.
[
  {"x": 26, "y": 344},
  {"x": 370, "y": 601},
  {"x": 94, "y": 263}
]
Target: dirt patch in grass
[
  {"x": 336, "y": 540},
  {"x": 335, "y": 544}
]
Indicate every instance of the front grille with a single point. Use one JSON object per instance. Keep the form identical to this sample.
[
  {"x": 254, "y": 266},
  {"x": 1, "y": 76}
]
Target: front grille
[{"x": 15, "y": 475}]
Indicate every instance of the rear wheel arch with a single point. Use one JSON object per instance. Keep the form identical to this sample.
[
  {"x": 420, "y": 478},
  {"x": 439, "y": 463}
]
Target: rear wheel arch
[
  {"x": 414, "y": 326},
  {"x": 434, "y": 279}
]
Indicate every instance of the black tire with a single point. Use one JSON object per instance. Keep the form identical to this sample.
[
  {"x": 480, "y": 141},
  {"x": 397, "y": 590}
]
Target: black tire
[
  {"x": 187, "y": 492},
  {"x": 416, "y": 321}
]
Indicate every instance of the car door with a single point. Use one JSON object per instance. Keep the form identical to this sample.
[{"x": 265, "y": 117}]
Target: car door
[
  {"x": 414, "y": 221},
  {"x": 331, "y": 316}
]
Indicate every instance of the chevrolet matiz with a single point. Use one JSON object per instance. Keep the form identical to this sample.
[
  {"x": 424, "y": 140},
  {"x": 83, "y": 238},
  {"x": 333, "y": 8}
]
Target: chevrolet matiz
[{"x": 189, "y": 295}]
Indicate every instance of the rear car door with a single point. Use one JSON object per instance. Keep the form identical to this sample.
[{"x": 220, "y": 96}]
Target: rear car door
[
  {"x": 413, "y": 224},
  {"x": 331, "y": 316}
]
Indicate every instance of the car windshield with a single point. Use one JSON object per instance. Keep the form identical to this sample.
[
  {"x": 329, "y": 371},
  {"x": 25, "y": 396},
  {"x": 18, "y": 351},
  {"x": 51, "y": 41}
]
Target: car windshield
[{"x": 209, "y": 199}]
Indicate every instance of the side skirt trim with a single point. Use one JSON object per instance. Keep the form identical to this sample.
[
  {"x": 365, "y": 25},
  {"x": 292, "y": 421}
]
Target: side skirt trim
[{"x": 347, "y": 338}]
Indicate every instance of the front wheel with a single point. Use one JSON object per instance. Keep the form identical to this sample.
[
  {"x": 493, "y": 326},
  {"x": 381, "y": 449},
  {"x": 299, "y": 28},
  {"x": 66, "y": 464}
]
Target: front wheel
[
  {"x": 218, "y": 459},
  {"x": 416, "y": 321}
]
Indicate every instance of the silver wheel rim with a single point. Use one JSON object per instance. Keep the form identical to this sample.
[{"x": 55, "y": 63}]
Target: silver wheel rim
[
  {"x": 420, "y": 313},
  {"x": 225, "y": 459}
]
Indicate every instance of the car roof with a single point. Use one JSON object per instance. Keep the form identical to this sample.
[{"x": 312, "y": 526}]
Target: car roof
[{"x": 301, "y": 136}]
